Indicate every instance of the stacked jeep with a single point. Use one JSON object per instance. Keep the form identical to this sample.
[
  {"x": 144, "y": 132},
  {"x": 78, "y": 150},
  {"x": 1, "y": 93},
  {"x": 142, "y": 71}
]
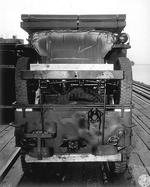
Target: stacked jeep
[{"x": 74, "y": 91}]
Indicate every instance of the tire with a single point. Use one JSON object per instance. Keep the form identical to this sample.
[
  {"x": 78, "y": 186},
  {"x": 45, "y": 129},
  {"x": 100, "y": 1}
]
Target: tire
[
  {"x": 27, "y": 168},
  {"x": 120, "y": 167},
  {"x": 25, "y": 89},
  {"x": 21, "y": 85},
  {"x": 126, "y": 83}
]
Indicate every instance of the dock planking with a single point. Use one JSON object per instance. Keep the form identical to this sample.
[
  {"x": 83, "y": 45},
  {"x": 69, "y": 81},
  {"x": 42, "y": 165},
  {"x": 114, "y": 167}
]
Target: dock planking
[
  {"x": 139, "y": 161},
  {"x": 8, "y": 151}
]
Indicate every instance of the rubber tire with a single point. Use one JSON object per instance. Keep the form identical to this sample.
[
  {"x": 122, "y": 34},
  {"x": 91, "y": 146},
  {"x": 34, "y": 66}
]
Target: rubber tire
[
  {"x": 20, "y": 84},
  {"x": 120, "y": 167},
  {"x": 126, "y": 83},
  {"x": 27, "y": 168}
]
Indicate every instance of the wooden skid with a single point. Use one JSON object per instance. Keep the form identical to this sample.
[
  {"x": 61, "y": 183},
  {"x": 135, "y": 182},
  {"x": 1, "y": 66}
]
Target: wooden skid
[
  {"x": 34, "y": 23},
  {"x": 48, "y": 25},
  {"x": 72, "y": 74},
  {"x": 77, "y": 158},
  {"x": 40, "y": 18},
  {"x": 75, "y": 67},
  {"x": 54, "y": 25}
]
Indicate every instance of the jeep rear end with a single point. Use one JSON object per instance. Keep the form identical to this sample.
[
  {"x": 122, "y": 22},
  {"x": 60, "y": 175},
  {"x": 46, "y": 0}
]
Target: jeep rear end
[{"x": 73, "y": 91}]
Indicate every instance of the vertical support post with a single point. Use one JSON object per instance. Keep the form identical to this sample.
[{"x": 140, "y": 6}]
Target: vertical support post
[
  {"x": 42, "y": 110},
  {"x": 39, "y": 148},
  {"x": 41, "y": 141},
  {"x": 104, "y": 111}
]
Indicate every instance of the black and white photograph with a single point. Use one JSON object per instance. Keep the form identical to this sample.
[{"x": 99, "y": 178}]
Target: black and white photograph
[{"x": 75, "y": 93}]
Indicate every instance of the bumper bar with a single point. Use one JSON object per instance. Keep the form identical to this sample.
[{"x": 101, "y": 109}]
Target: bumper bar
[{"x": 75, "y": 158}]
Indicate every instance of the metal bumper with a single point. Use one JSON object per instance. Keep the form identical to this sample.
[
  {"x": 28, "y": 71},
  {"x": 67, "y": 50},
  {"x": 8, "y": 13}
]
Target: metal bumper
[{"x": 75, "y": 158}]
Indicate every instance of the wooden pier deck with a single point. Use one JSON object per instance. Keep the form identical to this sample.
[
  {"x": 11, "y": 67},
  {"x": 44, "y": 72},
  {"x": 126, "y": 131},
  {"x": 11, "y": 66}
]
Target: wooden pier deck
[
  {"x": 140, "y": 155},
  {"x": 8, "y": 151}
]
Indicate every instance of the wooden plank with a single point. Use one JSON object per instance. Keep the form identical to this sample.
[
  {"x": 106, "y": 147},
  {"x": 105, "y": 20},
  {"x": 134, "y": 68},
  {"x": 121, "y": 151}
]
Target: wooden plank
[
  {"x": 3, "y": 127},
  {"x": 142, "y": 118},
  {"x": 109, "y": 25},
  {"x": 144, "y": 136},
  {"x": 142, "y": 99},
  {"x": 7, "y": 152},
  {"x": 143, "y": 108},
  {"x": 136, "y": 168},
  {"x": 69, "y": 67},
  {"x": 102, "y": 17},
  {"x": 113, "y": 26},
  {"x": 141, "y": 124},
  {"x": 14, "y": 176},
  {"x": 142, "y": 151},
  {"x": 5, "y": 137},
  {"x": 10, "y": 161},
  {"x": 48, "y": 25},
  {"x": 72, "y": 74},
  {"x": 39, "y": 17}
]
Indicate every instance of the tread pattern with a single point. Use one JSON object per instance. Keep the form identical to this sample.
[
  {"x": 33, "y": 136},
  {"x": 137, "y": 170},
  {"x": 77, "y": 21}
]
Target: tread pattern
[
  {"x": 126, "y": 83},
  {"x": 21, "y": 85},
  {"x": 120, "y": 167}
]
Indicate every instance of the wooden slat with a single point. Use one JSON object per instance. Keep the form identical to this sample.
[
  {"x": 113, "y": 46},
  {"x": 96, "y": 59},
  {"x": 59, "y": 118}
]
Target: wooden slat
[
  {"x": 142, "y": 151},
  {"x": 145, "y": 137},
  {"x": 136, "y": 168},
  {"x": 6, "y": 153},
  {"x": 32, "y": 23},
  {"x": 110, "y": 25},
  {"x": 42, "y": 17},
  {"x": 113, "y": 26},
  {"x": 5, "y": 137},
  {"x": 3, "y": 127},
  {"x": 142, "y": 118},
  {"x": 48, "y": 25},
  {"x": 9, "y": 162},
  {"x": 69, "y": 67},
  {"x": 102, "y": 17},
  {"x": 72, "y": 74},
  {"x": 14, "y": 175}
]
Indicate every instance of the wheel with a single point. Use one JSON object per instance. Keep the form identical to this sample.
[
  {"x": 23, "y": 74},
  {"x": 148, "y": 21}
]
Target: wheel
[
  {"x": 26, "y": 167},
  {"x": 119, "y": 167},
  {"x": 21, "y": 85},
  {"x": 126, "y": 83},
  {"x": 25, "y": 89}
]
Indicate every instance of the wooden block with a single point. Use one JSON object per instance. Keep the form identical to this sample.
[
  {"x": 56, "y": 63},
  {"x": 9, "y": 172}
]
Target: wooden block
[
  {"x": 72, "y": 74},
  {"x": 74, "y": 67}
]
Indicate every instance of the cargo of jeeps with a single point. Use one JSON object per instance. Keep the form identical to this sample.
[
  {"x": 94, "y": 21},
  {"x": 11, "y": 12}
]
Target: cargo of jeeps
[{"x": 74, "y": 91}]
